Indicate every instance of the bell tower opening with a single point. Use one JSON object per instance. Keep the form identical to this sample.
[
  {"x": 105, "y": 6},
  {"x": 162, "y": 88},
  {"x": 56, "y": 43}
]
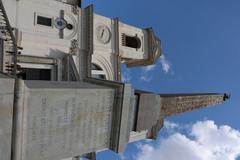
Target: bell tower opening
[{"x": 131, "y": 41}]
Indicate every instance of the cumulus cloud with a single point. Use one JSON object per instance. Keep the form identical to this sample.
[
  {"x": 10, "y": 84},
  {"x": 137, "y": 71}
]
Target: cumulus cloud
[{"x": 204, "y": 141}]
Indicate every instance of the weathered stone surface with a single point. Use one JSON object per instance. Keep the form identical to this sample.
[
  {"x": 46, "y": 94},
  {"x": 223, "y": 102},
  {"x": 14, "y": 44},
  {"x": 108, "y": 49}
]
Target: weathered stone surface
[
  {"x": 176, "y": 104},
  {"x": 3, "y": 75},
  {"x": 151, "y": 109},
  {"x": 57, "y": 120},
  {"x": 148, "y": 111},
  {"x": 124, "y": 133},
  {"x": 6, "y": 116}
]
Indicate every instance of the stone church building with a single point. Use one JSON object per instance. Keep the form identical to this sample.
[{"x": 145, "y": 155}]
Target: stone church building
[{"x": 61, "y": 94}]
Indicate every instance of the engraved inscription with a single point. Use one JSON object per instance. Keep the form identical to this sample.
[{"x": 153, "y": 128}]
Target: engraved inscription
[{"x": 63, "y": 124}]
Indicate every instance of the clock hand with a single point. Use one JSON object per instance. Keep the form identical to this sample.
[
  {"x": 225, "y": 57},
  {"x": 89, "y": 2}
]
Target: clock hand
[{"x": 102, "y": 33}]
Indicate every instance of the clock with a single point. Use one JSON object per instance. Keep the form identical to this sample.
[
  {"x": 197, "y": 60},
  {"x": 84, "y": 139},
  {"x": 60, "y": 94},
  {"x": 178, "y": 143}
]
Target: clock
[
  {"x": 60, "y": 23},
  {"x": 103, "y": 34}
]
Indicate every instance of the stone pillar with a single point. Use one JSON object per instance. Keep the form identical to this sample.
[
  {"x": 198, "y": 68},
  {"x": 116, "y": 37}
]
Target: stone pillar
[{"x": 180, "y": 103}]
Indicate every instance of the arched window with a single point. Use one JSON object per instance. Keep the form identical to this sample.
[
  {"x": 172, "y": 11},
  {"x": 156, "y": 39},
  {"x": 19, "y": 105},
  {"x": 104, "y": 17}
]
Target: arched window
[
  {"x": 97, "y": 72},
  {"x": 131, "y": 41}
]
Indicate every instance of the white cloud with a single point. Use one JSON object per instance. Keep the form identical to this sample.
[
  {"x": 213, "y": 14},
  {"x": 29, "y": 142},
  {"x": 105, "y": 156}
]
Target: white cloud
[
  {"x": 146, "y": 75},
  {"x": 149, "y": 68},
  {"x": 147, "y": 71},
  {"x": 170, "y": 125},
  {"x": 205, "y": 141},
  {"x": 146, "y": 78},
  {"x": 166, "y": 65}
]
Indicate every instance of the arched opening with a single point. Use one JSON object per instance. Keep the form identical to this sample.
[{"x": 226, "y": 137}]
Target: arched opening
[
  {"x": 131, "y": 41},
  {"x": 97, "y": 72}
]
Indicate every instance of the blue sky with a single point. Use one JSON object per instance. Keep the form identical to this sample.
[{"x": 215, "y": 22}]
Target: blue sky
[{"x": 201, "y": 44}]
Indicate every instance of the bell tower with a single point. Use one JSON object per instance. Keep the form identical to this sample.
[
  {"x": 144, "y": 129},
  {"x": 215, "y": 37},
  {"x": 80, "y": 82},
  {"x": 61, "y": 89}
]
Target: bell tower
[{"x": 61, "y": 94}]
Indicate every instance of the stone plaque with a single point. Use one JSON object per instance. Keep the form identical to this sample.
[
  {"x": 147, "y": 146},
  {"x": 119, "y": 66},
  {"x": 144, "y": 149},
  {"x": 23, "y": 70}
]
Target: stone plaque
[
  {"x": 6, "y": 116},
  {"x": 57, "y": 120}
]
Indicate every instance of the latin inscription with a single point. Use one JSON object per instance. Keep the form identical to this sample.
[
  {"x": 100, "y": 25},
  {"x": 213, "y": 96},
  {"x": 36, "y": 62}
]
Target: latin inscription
[{"x": 58, "y": 124}]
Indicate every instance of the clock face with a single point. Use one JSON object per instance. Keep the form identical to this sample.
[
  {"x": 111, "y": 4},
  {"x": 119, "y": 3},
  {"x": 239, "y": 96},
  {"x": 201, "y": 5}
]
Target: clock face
[
  {"x": 103, "y": 34},
  {"x": 60, "y": 23}
]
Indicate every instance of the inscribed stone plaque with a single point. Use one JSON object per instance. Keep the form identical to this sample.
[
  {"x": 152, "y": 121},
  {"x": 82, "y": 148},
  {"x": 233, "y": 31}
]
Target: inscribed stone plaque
[
  {"x": 6, "y": 116},
  {"x": 57, "y": 120}
]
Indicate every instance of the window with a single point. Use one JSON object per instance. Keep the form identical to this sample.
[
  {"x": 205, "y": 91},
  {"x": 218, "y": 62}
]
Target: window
[
  {"x": 131, "y": 41},
  {"x": 97, "y": 72},
  {"x": 45, "y": 21},
  {"x": 35, "y": 74}
]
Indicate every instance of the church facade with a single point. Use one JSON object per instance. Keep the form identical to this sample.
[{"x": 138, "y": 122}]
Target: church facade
[{"x": 61, "y": 94}]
